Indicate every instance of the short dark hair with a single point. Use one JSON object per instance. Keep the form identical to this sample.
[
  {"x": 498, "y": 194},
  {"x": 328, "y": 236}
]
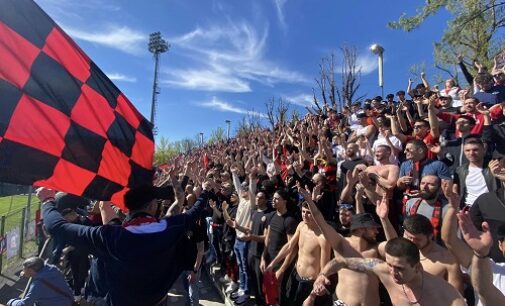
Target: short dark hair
[
  {"x": 34, "y": 263},
  {"x": 419, "y": 144},
  {"x": 400, "y": 93},
  {"x": 404, "y": 248},
  {"x": 418, "y": 224},
  {"x": 423, "y": 121},
  {"x": 470, "y": 119},
  {"x": 473, "y": 140},
  {"x": 483, "y": 78}
]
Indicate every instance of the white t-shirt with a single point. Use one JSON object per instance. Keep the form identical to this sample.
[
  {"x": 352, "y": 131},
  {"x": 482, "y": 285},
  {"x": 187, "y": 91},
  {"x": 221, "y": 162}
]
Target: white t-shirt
[
  {"x": 354, "y": 122},
  {"x": 475, "y": 185},
  {"x": 498, "y": 269},
  {"x": 393, "y": 158}
]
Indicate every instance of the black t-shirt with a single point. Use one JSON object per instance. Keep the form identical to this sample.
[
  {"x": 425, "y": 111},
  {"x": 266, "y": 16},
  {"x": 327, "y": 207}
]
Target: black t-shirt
[
  {"x": 347, "y": 165},
  {"x": 259, "y": 224},
  {"x": 280, "y": 227},
  {"x": 199, "y": 231},
  {"x": 490, "y": 208},
  {"x": 350, "y": 164}
]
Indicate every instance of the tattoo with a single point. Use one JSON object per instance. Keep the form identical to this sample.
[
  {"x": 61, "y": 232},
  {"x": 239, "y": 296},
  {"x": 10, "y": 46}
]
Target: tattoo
[{"x": 362, "y": 264}]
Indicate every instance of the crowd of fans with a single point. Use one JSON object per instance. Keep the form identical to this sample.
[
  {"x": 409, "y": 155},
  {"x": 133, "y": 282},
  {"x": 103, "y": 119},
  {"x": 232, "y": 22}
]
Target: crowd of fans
[{"x": 395, "y": 201}]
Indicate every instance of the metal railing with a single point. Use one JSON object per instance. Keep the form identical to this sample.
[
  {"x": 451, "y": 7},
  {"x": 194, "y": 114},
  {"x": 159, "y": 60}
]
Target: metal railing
[{"x": 18, "y": 235}]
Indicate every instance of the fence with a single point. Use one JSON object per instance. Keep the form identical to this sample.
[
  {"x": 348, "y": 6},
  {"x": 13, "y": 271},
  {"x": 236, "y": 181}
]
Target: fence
[{"x": 18, "y": 228}]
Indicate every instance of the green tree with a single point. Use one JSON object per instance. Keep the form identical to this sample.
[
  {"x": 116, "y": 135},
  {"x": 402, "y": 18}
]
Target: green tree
[
  {"x": 217, "y": 135},
  {"x": 164, "y": 151},
  {"x": 473, "y": 31}
]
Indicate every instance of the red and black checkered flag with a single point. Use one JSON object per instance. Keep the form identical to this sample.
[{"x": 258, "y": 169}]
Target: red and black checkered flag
[{"x": 63, "y": 123}]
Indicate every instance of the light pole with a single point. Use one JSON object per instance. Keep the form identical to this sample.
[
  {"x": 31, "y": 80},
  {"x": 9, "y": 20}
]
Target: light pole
[
  {"x": 379, "y": 50},
  {"x": 201, "y": 139},
  {"x": 228, "y": 129},
  {"x": 156, "y": 46}
]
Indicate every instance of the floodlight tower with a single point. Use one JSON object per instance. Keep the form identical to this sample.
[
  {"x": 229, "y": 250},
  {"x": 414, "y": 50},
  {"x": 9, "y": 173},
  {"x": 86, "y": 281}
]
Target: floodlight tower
[
  {"x": 227, "y": 129},
  {"x": 156, "y": 46},
  {"x": 379, "y": 50}
]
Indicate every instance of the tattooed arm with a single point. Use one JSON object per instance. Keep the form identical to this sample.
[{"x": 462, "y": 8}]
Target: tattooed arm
[
  {"x": 358, "y": 264},
  {"x": 372, "y": 265}
]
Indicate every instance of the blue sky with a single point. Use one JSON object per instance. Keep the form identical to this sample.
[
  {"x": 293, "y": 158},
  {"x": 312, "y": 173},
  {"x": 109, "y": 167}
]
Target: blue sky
[{"x": 229, "y": 57}]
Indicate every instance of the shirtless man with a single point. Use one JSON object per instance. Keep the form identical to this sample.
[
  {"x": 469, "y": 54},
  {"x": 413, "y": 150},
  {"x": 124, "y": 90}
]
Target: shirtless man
[
  {"x": 354, "y": 288},
  {"x": 435, "y": 259},
  {"x": 313, "y": 255},
  {"x": 381, "y": 178},
  {"x": 402, "y": 274}
]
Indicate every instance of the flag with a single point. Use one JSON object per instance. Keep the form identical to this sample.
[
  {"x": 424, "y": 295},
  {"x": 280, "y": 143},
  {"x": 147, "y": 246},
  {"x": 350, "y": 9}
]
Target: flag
[{"x": 63, "y": 123}]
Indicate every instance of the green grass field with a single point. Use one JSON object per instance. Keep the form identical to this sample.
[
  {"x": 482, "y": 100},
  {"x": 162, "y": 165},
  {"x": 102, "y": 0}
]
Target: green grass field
[
  {"x": 14, "y": 203},
  {"x": 11, "y": 207}
]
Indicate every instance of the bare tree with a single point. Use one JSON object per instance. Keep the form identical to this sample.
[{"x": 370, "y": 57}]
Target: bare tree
[
  {"x": 350, "y": 77},
  {"x": 253, "y": 119},
  {"x": 282, "y": 111},
  {"x": 270, "y": 105},
  {"x": 277, "y": 111}
]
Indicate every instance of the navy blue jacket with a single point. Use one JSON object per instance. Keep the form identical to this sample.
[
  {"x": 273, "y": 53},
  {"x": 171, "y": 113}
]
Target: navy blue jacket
[{"x": 140, "y": 265}]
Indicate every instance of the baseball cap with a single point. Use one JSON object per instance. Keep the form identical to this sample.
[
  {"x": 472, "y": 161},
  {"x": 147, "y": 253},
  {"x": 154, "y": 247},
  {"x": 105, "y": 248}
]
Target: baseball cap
[
  {"x": 361, "y": 115},
  {"x": 65, "y": 201},
  {"x": 363, "y": 220}
]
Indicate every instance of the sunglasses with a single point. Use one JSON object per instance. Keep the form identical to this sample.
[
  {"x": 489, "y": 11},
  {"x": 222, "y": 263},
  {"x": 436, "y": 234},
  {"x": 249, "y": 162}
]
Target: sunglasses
[
  {"x": 419, "y": 126},
  {"x": 346, "y": 206}
]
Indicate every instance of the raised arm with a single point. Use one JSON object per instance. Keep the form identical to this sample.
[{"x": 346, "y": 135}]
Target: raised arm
[
  {"x": 425, "y": 81},
  {"x": 432, "y": 118},
  {"x": 396, "y": 130},
  {"x": 482, "y": 276},
  {"x": 329, "y": 233},
  {"x": 482, "y": 281},
  {"x": 106, "y": 212},
  {"x": 288, "y": 248},
  {"x": 456, "y": 246},
  {"x": 382, "y": 210},
  {"x": 236, "y": 180}
]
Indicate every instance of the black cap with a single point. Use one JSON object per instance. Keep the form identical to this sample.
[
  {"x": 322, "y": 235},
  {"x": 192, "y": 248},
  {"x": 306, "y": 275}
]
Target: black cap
[
  {"x": 379, "y": 98},
  {"x": 361, "y": 114},
  {"x": 363, "y": 220},
  {"x": 66, "y": 201},
  {"x": 139, "y": 197}
]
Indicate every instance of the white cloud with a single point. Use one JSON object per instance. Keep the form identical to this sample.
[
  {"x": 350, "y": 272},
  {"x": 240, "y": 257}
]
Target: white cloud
[
  {"x": 279, "y": 6},
  {"x": 207, "y": 80},
  {"x": 121, "y": 77},
  {"x": 228, "y": 58},
  {"x": 117, "y": 37},
  {"x": 301, "y": 99},
  {"x": 223, "y": 106},
  {"x": 74, "y": 18},
  {"x": 367, "y": 62}
]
